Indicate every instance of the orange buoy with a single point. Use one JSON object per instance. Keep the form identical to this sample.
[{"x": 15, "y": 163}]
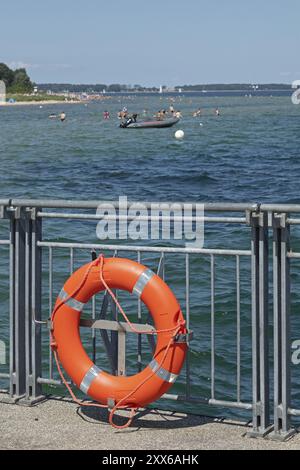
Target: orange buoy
[{"x": 119, "y": 273}]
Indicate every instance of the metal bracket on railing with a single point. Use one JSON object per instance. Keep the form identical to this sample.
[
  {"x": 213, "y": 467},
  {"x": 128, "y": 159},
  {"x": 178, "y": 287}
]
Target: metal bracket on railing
[
  {"x": 14, "y": 212},
  {"x": 279, "y": 220},
  {"x": 256, "y": 219},
  {"x": 31, "y": 213},
  {"x": 255, "y": 209},
  {"x": 184, "y": 337}
]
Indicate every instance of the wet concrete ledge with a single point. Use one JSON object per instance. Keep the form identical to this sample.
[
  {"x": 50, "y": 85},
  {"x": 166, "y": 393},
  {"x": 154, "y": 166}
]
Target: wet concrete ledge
[{"x": 60, "y": 424}]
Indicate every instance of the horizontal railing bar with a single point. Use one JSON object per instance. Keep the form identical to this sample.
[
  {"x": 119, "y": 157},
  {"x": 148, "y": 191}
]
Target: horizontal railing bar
[
  {"x": 208, "y": 401},
  {"x": 4, "y": 242},
  {"x": 293, "y": 254},
  {"x": 4, "y": 375},
  {"x": 292, "y": 221},
  {"x": 294, "y": 412},
  {"x": 42, "y": 380},
  {"x": 4, "y": 202},
  {"x": 146, "y": 218},
  {"x": 280, "y": 208},
  {"x": 230, "y": 404},
  {"x": 208, "y": 206},
  {"x": 171, "y": 396},
  {"x": 79, "y": 204},
  {"x": 158, "y": 249},
  {"x": 117, "y": 326}
]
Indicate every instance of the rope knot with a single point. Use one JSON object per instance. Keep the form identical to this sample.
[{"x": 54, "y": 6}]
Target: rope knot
[
  {"x": 98, "y": 260},
  {"x": 53, "y": 345}
]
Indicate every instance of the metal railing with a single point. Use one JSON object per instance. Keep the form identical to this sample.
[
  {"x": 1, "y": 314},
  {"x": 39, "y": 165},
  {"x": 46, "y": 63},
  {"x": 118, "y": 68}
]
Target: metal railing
[{"x": 33, "y": 282}]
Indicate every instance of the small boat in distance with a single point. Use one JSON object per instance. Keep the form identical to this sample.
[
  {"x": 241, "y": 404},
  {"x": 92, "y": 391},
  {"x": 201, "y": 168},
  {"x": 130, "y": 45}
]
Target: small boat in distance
[{"x": 150, "y": 124}]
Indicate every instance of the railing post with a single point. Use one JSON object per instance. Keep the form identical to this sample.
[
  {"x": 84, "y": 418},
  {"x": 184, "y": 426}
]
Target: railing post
[
  {"x": 260, "y": 346},
  {"x": 17, "y": 371},
  {"x": 35, "y": 280},
  {"x": 282, "y": 340},
  {"x": 25, "y": 286}
]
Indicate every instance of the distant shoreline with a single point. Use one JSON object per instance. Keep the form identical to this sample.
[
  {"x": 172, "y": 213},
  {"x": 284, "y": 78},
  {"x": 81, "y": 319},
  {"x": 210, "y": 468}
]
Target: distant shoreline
[
  {"x": 40, "y": 103},
  {"x": 99, "y": 88}
]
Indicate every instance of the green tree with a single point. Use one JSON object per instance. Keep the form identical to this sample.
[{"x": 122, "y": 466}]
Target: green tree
[
  {"x": 6, "y": 74},
  {"x": 115, "y": 87},
  {"x": 21, "y": 82}
]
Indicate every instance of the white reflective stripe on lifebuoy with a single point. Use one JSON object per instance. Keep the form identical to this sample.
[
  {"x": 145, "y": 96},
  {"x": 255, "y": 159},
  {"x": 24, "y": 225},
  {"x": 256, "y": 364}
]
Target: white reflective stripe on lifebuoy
[
  {"x": 71, "y": 302},
  {"x": 142, "y": 281},
  {"x": 87, "y": 380},
  {"x": 162, "y": 373}
]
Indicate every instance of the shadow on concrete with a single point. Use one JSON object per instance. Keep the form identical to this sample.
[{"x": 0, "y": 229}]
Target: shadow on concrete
[{"x": 149, "y": 419}]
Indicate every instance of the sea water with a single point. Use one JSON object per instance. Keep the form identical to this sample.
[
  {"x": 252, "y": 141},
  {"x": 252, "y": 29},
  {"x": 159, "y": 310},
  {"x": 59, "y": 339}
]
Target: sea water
[{"x": 250, "y": 153}]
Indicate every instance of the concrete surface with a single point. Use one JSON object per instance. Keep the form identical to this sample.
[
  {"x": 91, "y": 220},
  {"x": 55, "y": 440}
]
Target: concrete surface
[{"x": 61, "y": 424}]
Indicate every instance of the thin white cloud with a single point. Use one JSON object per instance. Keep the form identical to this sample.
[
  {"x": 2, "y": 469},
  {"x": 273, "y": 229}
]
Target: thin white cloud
[{"x": 19, "y": 65}]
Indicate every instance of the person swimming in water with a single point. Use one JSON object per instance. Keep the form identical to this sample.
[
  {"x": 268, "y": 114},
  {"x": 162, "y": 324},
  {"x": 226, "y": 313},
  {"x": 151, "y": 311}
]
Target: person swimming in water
[
  {"x": 217, "y": 112},
  {"x": 62, "y": 116},
  {"x": 197, "y": 113}
]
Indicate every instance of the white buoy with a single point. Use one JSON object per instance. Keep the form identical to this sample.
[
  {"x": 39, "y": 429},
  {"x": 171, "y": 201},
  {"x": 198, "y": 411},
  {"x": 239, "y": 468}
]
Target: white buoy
[
  {"x": 201, "y": 124},
  {"x": 179, "y": 134}
]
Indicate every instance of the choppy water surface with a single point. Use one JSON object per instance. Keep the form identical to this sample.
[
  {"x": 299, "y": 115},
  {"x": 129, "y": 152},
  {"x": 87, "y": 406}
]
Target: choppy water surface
[{"x": 250, "y": 153}]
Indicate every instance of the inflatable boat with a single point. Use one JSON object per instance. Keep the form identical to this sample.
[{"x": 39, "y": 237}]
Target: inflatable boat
[{"x": 150, "y": 124}]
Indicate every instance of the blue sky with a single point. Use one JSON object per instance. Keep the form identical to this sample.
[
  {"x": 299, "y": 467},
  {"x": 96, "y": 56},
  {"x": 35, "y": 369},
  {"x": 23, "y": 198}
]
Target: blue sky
[{"x": 152, "y": 42}]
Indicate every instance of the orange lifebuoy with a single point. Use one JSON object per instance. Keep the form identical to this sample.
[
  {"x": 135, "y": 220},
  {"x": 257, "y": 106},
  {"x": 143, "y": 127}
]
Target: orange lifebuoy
[{"x": 124, "y": 274}]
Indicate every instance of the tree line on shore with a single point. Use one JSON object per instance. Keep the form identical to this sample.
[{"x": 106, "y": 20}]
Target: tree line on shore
[
  {"x": 119, "y": 88},
  {"x": 89, "y": 88},
  {"x": 16, "y": 81}
]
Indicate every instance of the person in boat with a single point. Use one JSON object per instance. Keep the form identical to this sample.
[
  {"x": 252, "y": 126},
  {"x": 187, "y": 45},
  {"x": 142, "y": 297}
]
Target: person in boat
[
  {"x": 122, "y": 115},
  {"x": 62, "y": 116},
  {"x": 131, "y": 119},
  {"x": 158, "y": 116},
  {"x": 178, "y": 114},
  {"x": 161, "y": 115}
]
